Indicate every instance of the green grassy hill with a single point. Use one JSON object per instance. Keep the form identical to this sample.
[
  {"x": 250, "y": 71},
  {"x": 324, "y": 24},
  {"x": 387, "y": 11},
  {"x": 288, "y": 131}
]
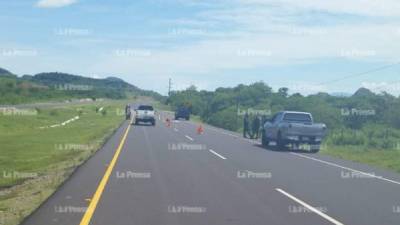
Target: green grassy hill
[{"x": 62, "y": 86}]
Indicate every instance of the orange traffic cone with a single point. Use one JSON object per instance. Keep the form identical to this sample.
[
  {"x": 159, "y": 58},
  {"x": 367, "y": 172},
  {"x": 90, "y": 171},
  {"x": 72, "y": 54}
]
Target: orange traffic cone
[{"x": 200, "y": 129}]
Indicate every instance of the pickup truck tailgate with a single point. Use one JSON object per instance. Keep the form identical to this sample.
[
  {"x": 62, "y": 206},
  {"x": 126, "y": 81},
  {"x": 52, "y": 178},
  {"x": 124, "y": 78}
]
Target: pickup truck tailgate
[{"x": 307, "y": 129}]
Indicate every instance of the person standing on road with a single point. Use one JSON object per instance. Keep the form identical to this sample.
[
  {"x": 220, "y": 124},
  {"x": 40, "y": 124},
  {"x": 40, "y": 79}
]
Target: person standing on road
[
  {"x": 256, "y": 127},
  {"x": 245, "y": 125},
  {"x": 128, "y": 111},
  {"x": 263, "y": 120}
]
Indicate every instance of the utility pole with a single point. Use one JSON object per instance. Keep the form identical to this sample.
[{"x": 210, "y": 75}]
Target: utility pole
[{"x": 169, "y": 87}]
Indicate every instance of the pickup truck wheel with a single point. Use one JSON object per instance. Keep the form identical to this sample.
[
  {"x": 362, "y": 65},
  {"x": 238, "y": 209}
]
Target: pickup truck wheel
[
  {"x": 315, "y": 151},
  {"x": 315, "y": 148},
  {"x": 280, "y": 144}
]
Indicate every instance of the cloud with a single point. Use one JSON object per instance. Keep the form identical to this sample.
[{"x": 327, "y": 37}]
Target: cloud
[
  {"x": 54, "y": 3},
  {"x": 357, "y": 7},
  {"x": 289, "y": 46},
  {"x": 220, "y": 39}
]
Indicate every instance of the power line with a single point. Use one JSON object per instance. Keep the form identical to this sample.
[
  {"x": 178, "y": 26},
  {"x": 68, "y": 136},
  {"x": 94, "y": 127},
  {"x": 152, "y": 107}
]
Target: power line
[{"x": 361, "y": 74}]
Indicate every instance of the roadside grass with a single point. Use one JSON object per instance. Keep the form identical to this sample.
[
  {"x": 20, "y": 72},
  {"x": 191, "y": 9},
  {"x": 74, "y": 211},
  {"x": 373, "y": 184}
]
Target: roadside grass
[
  {"x": 385, "y": 159},
  {"x": 35, "y": 161},
  {"x": 196, "y": 119}
]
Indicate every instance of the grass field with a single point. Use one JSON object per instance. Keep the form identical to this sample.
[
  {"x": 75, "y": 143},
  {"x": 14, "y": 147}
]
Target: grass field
[
  {"x": 34, "y": 160},
  {"x": 385, "y": 159}
]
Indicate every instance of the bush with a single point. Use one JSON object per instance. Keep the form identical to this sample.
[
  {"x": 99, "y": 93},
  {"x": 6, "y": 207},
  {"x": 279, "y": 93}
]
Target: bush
[
  {"x": 226, "y": 119},
  {"x": 374, "y": 137}
]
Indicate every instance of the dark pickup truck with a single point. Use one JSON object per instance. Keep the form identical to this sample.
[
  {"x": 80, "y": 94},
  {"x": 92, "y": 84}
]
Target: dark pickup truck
[
  {"x": 182, "y": 112},
  {"x": 294, "y": 128}
]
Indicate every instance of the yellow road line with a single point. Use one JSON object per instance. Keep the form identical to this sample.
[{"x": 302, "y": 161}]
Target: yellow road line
[{"x": 97, "y": 195}]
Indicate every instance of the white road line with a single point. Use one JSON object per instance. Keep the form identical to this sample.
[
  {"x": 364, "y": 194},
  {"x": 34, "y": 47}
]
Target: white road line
[
  {"x": 323, "y": 215},
  {"x": 212, "y": 151},
  {"x": 347, "y": 168},
  {"x": 189, "y": 138}
]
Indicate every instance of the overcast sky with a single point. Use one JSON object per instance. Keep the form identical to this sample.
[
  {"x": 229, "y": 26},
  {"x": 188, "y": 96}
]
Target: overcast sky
[{"x": 301, "y": 44}]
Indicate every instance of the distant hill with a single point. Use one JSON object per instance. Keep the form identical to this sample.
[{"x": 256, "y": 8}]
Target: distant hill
[
  {"x": 56, "y": 79},
  {"x": 55, "y": 85},
  {"x": 6, "y": 73},
  {"x": 363, "y": 92}
]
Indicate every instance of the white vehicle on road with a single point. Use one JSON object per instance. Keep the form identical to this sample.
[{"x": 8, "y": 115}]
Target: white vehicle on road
[{"x": 145, "y": 113}]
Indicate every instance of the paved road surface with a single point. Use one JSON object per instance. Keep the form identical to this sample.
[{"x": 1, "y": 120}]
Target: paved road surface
[{"x": 173, "y": 176}]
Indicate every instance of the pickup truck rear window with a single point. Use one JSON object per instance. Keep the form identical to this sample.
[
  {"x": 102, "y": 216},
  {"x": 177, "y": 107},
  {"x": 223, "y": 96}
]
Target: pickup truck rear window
[
  {"x": 146, "y": 107},
  {"x": 297, "y": 117}
]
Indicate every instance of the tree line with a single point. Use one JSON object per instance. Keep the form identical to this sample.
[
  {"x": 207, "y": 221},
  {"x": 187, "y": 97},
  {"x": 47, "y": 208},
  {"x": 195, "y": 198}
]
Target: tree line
[{"x": 362, "y": 119}]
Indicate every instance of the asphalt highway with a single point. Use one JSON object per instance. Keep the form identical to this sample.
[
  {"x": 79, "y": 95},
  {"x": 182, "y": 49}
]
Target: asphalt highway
[{"x": 172, "y": 175}]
